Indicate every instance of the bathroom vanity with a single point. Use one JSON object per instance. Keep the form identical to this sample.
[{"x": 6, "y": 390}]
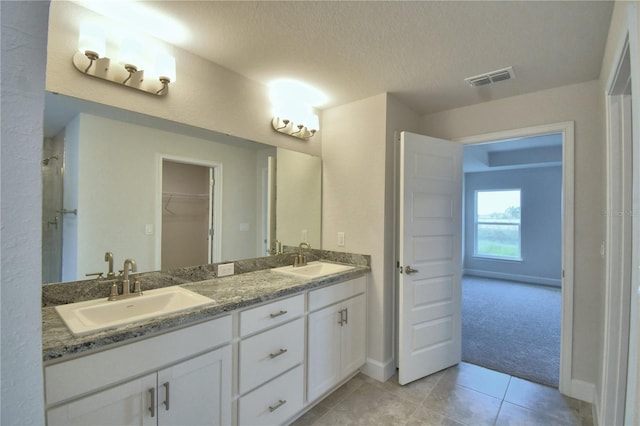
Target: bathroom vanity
[{"x": 267, "y": 348}]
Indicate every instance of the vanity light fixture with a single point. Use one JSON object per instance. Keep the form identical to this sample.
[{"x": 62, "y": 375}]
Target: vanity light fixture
[
  {"x": 300, "y": 122},
  {"x": 129, "y": 68},
  {"x": 288, "y": 127},
  {"x": 293, "y": 103}
]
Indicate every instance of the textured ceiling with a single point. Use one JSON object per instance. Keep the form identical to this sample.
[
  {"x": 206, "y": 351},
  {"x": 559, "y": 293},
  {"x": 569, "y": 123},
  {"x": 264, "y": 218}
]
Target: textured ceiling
[{"x": 419, "y": 51}]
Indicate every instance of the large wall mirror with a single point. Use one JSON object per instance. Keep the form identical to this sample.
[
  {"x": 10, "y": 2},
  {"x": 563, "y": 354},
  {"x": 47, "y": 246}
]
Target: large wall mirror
[{"x": 165, "y": 194}]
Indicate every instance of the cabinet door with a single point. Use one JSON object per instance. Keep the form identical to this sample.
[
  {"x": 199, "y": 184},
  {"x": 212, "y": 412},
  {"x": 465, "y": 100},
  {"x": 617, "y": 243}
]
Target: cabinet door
[
  {"x": 353, "y": 335},
  {"x": 125, "y": 404},
  {"x": 197, "y": 391},
  {"x": 324, "y": 351}
]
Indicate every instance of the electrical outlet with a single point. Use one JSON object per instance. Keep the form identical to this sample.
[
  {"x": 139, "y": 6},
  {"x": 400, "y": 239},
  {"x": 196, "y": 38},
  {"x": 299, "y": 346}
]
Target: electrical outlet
[
  {"x": 148, "y": 229},
  {"x": 226, "y": 269},
  {"x": 304, "y": 237},
  {"x": 341, "y": 239}
]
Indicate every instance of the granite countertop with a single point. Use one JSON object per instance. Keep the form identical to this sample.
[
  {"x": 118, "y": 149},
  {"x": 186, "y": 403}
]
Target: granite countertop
[{"x": 227, "y": 294}]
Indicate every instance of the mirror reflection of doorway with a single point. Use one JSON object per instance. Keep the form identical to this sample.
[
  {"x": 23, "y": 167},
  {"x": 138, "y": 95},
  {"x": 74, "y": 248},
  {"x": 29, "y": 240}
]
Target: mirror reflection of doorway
[{"x": 187, "y": 214}]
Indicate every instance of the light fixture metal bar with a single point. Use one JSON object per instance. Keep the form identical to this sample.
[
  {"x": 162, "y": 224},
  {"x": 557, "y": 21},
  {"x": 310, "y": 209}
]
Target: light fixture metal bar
[
  {"x": 289, "y": 128},
  {"x": 101, "y": 68}
]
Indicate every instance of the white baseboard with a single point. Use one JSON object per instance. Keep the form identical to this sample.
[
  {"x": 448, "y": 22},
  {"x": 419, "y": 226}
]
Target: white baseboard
[
  {"x": 584, "y": 391},
  {"x": 513, "y": 277},
  {"x": 378, "y": 370},
  {"x": 596, "y": 409}
]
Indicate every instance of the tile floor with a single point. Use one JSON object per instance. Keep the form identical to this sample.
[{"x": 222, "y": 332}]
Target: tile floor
[{"x": 461, "y": 395}]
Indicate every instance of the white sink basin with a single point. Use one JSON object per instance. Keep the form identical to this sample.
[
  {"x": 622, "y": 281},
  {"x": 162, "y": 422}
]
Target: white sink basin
[
  {"x": 96, "y": 315},
  {"x": 314, "y": 269}
]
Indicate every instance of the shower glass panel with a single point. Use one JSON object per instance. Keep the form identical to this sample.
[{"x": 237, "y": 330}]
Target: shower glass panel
[{"x": 52, "y": 216}]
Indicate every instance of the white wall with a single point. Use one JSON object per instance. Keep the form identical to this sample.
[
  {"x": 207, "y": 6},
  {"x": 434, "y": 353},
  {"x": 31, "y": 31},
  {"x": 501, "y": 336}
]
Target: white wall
[
  {"x": 579, "y": 103},
  {"x": 24, "y": 40},
  {"x": 358, "y": 189},
  {"x": 204, "y": 95},
  {"x": 353, "y": 153},
  {"x": 70, "y": 200},
  {"x": 117, "y": 181}
]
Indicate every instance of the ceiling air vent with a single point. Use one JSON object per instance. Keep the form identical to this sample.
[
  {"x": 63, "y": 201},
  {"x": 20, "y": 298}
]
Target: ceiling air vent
[{"x": 491, "y": 77}]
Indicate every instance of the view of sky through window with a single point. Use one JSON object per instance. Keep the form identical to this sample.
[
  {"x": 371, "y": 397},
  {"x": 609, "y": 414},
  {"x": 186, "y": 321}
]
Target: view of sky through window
[
  {"x": 493, "y": 204},
  {"x": 497, "y": 227}
]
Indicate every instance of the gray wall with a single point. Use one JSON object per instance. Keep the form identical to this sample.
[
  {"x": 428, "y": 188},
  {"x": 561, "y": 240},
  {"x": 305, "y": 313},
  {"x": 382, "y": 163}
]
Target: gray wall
[
  {"x": 24, "y": 40},
  {"x": 541, "y": 225}
]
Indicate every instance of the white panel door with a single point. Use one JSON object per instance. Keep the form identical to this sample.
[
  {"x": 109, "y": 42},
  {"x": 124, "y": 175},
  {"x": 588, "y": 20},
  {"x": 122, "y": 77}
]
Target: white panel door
[
  {"x": 131, "y": 403},
  {"x": 430, "y": 198},
  {"x": 197, "y": 391},
  {"x": 324, "y": 351},
  {"x": 353, "y": 335}
]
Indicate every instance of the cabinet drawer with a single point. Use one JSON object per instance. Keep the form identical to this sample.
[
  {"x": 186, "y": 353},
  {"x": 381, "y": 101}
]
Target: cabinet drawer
[
  {"x": 275, "y": 402},
  {"x": 268, "y": 354},
  {"x": 333, "y": 294},
  {"x": 274, "y": 313}
]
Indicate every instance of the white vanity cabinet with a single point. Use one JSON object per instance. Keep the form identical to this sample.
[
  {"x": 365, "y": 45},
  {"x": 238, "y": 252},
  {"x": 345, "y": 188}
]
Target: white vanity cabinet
[
  {"x": 262, "y": 365},
  {"x": 271, "y": 362},
  {"x": 107, "y": 388},
  {"x": 336, "y": 335}
]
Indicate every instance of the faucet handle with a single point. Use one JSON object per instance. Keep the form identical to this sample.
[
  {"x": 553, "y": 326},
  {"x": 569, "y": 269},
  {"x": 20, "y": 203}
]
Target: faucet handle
[
  {"x": 98, "y": 275},
  {"x": 136, "y": 286},
  {"x": 113, "y": 295}
]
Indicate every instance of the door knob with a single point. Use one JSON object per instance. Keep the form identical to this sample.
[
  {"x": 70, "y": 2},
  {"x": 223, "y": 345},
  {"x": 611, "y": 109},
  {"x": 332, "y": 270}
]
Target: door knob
[{"x": 409, "y": 270}]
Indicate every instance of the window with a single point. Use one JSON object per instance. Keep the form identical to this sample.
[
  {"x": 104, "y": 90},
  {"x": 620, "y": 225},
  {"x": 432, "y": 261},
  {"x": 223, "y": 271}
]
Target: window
[{"x": 497, "y": 224}]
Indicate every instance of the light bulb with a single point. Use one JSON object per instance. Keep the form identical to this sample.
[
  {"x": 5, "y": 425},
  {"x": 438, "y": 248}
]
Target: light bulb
[
  {"x": 165, "y": 67},
  {"x": 131, "y": 54},
  {"x": 92, "y": 41}
]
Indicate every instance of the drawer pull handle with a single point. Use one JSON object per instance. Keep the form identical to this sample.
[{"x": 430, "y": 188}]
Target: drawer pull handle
[
  {"x": 280, "y": 403},
  {"x": 277, "y": 314},
  {"x": 152, "y": 402},
  {"x": 277, "y": 354},
  {"x": 166, "y": 397},
  {"x": 342, "y": 320}
]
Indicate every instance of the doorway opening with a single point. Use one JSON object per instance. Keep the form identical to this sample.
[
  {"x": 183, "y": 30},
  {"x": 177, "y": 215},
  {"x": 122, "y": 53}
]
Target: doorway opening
[
  {"x": 188, "y": 235},
  {"x": 554, "y": 150},
  {"x": 429, "y": 243},
  {"x": 512, "y": 256}
]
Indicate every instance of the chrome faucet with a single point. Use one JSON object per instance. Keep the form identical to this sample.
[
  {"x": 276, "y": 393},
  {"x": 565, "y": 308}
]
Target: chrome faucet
[
  {"x": 301, "y": 259},
  {"x": 129, "y": 266}
]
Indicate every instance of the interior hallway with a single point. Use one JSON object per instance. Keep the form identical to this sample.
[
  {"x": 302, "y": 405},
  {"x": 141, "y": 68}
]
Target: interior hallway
[{"x": 461, "y": 395}]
